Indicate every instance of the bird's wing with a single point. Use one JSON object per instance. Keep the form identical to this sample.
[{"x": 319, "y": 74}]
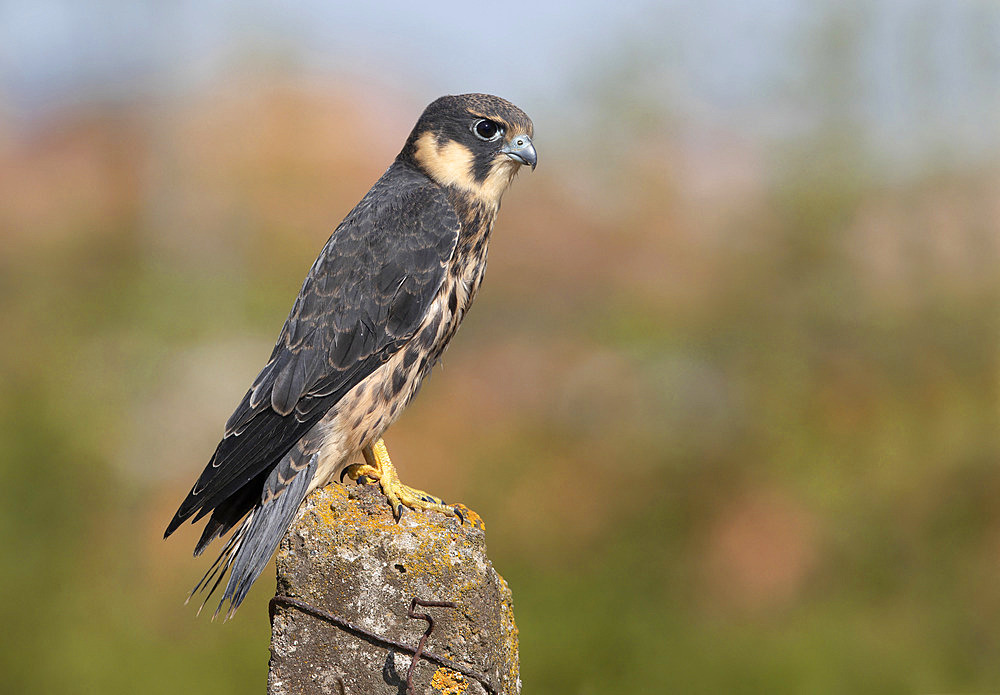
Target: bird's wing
[{"x": 362, "y": 300}]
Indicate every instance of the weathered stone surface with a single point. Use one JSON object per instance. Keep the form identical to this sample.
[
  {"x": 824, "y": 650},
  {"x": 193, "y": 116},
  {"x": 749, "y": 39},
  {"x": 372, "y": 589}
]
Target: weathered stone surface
[{"x": 347, "y": 556}]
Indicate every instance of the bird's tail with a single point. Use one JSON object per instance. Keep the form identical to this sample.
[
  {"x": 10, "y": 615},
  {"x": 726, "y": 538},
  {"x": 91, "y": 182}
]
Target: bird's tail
[{"x": 254, "y": 542}]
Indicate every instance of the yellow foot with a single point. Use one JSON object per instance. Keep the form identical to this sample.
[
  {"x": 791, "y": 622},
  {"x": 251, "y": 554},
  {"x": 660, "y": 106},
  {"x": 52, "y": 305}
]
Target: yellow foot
[{"x": 378, "y": 467}]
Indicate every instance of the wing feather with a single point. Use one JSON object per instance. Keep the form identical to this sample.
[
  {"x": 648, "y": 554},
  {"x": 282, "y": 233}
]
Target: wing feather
[{"x": 363, "y": 299}]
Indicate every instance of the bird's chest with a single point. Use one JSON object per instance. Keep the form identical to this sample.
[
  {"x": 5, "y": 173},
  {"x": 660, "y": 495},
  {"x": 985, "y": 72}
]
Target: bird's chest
[
  {"x": 374, "y": 404},
  {"x": 463, "y": 279}
]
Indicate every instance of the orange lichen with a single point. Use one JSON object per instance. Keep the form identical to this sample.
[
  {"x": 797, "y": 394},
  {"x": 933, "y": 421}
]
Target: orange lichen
[
  {"x": 511, "y": 633},
  {"x": 471, "y": 517},
  {"x": 429, "y": 549},
  {"x": 449, "y": 682}
]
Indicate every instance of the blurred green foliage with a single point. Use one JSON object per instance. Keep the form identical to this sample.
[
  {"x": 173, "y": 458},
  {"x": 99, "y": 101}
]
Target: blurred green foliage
[{"x": 739, "y": 440}]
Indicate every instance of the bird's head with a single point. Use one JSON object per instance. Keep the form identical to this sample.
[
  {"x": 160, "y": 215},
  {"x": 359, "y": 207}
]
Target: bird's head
[{"x": 473, "y": 142}]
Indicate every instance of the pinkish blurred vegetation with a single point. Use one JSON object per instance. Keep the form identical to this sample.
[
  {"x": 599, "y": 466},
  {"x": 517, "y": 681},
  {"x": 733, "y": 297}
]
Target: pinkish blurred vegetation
[{"x": 730, "y": 413}]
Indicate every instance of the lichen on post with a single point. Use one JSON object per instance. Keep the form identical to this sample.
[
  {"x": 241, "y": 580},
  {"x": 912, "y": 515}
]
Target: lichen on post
[{"x": 347, "y": 577}]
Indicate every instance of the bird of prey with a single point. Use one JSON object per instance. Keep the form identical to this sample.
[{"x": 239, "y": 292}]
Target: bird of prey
[{"x": 375, "y": 313}]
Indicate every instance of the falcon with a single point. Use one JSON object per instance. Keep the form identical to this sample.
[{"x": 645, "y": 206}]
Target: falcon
[{"x": 376, "y": 311}]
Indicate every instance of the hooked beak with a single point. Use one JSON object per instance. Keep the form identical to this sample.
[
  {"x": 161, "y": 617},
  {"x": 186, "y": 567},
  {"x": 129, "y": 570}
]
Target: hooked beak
[{"x": 521, "y": 150}]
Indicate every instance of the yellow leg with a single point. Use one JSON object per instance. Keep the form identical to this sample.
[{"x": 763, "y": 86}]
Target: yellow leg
[{"x": 378, "y": 467}]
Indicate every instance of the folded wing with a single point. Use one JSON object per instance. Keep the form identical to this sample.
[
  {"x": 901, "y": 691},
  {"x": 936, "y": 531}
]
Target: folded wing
[{"x": 362, "y": 300}]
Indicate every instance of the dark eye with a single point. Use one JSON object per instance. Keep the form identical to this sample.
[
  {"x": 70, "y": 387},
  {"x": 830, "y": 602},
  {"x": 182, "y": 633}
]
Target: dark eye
[{"x": 487, "y": 130}]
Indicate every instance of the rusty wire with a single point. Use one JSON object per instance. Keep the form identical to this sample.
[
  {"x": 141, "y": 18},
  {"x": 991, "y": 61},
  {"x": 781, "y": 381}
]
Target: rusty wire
[
  {"x": 417, "y": 653},
  {"x": 427, "y": 633}
]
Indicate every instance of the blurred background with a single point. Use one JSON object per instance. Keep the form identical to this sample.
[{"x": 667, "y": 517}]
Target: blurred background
[{"x": 727, "y": 401}]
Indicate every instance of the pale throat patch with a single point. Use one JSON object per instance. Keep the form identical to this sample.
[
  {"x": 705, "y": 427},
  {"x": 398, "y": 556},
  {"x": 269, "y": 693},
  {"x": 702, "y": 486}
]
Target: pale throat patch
[
  {"x": 502, "y": 172},
  {"x": 451, "y": 165}
]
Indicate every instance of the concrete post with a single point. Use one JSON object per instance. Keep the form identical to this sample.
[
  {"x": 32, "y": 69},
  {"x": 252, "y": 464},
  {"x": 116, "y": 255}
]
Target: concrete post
[{"x": 347, "y": 576}]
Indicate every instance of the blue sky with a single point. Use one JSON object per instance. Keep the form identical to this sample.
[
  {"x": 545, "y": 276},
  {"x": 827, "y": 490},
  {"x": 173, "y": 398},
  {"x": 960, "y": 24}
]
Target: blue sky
[
  {"x": 927, "y": 70},
  {"x": 51, "y": 48}
]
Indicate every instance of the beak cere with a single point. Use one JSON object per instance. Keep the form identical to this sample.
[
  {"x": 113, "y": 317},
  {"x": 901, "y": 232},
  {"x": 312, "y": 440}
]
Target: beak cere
[{"x": 521, "y": 150}]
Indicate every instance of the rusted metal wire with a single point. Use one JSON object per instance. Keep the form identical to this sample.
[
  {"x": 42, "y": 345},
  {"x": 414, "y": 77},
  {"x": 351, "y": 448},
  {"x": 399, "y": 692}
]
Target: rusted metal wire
[
  {"x": 427, "y": 633},
  {"x": 417, "y": 653}
]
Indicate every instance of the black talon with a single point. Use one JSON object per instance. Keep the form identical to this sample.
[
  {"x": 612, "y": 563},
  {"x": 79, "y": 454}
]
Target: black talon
[
  {"x": 458, "y": 513},
  {"x": 398, "y": 513},
  {"x": 343, "y": 473}
]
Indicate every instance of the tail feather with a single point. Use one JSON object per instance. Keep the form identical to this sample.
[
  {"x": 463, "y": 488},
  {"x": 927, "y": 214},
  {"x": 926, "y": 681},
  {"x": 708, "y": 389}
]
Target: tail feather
[
  {"x": 218, "y": 569},
  {"x": 248, "y": 550},
  {"x": 264, "y": 533},
  {"x": 229, "y": 513}
]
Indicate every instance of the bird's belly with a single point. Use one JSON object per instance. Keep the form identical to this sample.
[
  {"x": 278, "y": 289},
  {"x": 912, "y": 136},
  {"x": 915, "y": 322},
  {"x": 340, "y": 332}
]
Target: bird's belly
[{"x": 367, "y": 410}]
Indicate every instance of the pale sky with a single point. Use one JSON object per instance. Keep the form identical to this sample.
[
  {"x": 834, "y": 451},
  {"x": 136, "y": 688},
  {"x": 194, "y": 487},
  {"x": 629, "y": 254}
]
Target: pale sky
[{"x": 925, "y": 69}]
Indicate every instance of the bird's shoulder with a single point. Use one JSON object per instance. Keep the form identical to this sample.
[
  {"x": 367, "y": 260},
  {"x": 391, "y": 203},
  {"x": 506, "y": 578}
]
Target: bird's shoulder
[
  {"x": 364, "y": 296},
  {"x": 405, "y": 218}
]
